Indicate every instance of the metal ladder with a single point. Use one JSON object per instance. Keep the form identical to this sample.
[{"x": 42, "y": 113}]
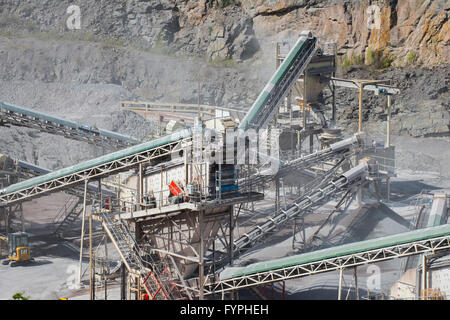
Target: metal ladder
[
  {"x": 129, "y": 252},
  {"x": 68, "y": 214},
  {"x": 125, "y": 243}
]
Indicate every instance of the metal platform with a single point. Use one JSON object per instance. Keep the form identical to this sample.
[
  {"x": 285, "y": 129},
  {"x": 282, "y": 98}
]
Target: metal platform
[{"x": 191, "y": 206}]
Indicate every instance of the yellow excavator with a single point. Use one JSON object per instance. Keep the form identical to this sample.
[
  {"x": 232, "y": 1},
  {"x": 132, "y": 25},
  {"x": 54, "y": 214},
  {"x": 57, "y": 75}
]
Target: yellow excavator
[{"x": 18, "y": 248}]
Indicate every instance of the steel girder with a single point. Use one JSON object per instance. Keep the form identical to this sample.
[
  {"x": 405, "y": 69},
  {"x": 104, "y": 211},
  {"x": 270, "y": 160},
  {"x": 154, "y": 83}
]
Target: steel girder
[
  {"x": 61, "y": 130},
  {"x": 95, "y": 172},
  {"x": 316, "y": 267}
]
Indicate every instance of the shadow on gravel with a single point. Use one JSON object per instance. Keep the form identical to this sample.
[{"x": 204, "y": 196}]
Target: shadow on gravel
[{"x": 401, "y": 190}]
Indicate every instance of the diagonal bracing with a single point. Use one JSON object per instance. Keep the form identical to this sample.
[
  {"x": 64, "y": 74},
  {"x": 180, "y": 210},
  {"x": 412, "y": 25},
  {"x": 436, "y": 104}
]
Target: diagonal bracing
[{"x": 335, "y": 258}]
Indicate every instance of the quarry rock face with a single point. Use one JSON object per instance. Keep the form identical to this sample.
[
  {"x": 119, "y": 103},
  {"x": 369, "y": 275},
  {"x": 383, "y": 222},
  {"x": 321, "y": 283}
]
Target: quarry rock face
[
  {"x": 406, "y": 31},
  {"x": 171, "y": 27},
  {"x": 421, "y": 109},
  {"x": 366, "y": 29}
]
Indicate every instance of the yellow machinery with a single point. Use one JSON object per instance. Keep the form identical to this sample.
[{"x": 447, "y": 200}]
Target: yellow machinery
[
  {"x": 18, "y": 248},
  {"x": 431, "y": 294}
]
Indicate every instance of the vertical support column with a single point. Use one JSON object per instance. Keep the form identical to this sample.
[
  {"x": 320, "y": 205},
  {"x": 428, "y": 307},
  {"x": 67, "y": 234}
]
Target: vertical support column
[
  {"x": 277, "y": 194},
  {"x": 93, "y": 268},
  {"x": 305, "y": 101},
  {"x": 231, "y": 240},
  {"x": 82, "y": 230},
  {"x": 333, "y": 106},
  {"x": 201, "y": 270},
  {"x": 356, "y": 283},
  {"x": 305, "y": 106},
  {"x": 138, "y": 233},
  {"x": 117, "y": 189},
  {"x": 8, "y": 219},
  {"x": 284, "y": 193},
  {"x": 424, "y": 276},
  {"x": 359, "y": 197},
  {"x": 123, "y": 283},
  {"x": 3, "y": 214},
  {"x": 106, "y": 269},
  {"x": 91, "y": 271},
  {"x": 388, "y": 144},
  {"x": 137, "y": 200},
  {"x": 289, "y": 107},
  {"x": 277, "y": 55},
  {"x": 161, "y": 190},
  {"x": 388, "y": 122},
  {"x": 361, "y": 85},
  {"x": 137, "y": 280},
  {"x": 333, "y": 92},
  {"x": 141, "y": 186},
  {"x": 129, "y": 285},
  {"x": 91, "y": 263},
  {"x": 100, "y": 192},
  {"x": 277, "y": 64},
  {"x": 341, "y": 271},
  {"x": 22, "y": 221},
  {"x": 186, "y": 168}
]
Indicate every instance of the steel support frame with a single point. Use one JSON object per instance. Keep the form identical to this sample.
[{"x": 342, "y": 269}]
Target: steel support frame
[
  {"x": 372, "y": 85},
  {"x": 178, "y": 230},
  {"x": 285, "y": 85},
  {"x": 321, "y": 266},
  {"x": 20, "y": 120},
  {"x": 314, "y": 198},
  {"x": 76, "y": 191},
  {"x": 95, "y": 172},
  {"x": 214, "y": 253},
  {"x": 299, "y": 164}
]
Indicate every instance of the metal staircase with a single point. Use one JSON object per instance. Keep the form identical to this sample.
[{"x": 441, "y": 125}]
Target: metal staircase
[
  {"x": 68, "y": 214},
  {"x": 158, "y": 286},
  {"x": 125, "y": 244}
]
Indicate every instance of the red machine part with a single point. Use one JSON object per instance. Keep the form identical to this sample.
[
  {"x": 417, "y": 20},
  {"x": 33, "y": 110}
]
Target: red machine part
[
  {"x": 175, "y": 189},
  {"x": 107, "y": 202}
]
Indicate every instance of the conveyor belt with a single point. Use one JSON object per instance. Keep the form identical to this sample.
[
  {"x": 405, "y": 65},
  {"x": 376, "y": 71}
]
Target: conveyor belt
[
  {"x": 31, "y": 170},
  {"x": 93, "y": 169},
  {"x": 345, "y": 256},
  {"x": 301, "y": 205},
  {"x": 336, "y": 150},
  {"x": 20, "y": 116},
  {"x": 436, "y": 216},
  {"x": 281, "y": 82}
]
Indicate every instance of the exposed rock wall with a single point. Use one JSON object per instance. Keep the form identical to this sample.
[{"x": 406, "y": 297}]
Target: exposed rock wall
[
  {"x": 422, "y": 109},
  {"x": 200, "y": 28},
  {"x": 405, "y": 30},
  {"x": 397, "y": 29}
]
